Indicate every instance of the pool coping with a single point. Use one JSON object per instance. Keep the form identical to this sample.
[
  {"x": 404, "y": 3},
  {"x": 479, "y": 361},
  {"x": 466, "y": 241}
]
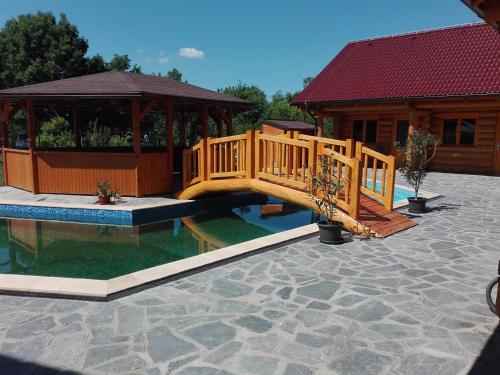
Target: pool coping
[{"x": 103, "y": 290}]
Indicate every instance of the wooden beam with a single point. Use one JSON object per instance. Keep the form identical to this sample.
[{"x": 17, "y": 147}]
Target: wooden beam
[
  {"x": 182, "y": 129},
  {"x": 227, "y": 117},
  {"x": 229, "y": 122},
  {"x": 4, "y": 122},
  {"x": 169, "y": 130},
  {"x": 149, "y": 106},
  {"x": 319, "y": 129},
  {"x": 30, "y": 116},
  {"x": 136, "y": 125},
  {"x": 204, "y": 121}
]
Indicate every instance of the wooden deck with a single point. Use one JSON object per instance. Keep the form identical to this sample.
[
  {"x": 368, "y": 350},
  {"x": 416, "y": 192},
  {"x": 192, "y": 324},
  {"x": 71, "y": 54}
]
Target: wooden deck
[{"x": 380, "y": 220}]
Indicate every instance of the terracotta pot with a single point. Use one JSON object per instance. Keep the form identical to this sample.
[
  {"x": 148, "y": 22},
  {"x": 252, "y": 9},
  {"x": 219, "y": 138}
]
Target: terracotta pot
[{"x": 104, "y": 200}]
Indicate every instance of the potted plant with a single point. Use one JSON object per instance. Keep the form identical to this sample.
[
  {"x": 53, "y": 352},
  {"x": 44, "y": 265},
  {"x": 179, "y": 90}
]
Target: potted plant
[
  {"x": 322, "y": 190},
  {"x": 105, "y": 193},
  {"x": 417, "y": 155}
]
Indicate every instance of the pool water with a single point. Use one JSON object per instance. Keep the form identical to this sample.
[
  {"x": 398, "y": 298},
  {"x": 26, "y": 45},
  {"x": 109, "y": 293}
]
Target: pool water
[
  {"x": 400, "y": 194},
  {"x": 63, "y": 249}
]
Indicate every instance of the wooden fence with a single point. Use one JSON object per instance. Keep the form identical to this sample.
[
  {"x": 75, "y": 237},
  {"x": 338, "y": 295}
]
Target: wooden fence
[{"x": 287, "y": 160}]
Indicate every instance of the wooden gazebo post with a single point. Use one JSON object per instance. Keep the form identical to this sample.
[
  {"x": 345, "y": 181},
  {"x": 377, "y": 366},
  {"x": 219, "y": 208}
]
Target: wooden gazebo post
[
  {"x": 169, "y": 126},
  {"x": 136, "y": 126},
  {"x": 76, "y": 126},
  {"x": 30, "y": 116},
  {"x": 4, "y": 122}
]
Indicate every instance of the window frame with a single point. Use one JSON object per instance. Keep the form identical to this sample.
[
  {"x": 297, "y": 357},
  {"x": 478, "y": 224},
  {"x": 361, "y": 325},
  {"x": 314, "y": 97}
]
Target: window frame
[
  {"x": 458, "y": 117},
  {"x": 365, "y": 120}
]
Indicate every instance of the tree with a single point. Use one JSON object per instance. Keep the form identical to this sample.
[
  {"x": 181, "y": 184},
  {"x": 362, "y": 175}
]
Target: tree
[
  {"x": 55, "y": 133},
  {"x": 38, "y": 48},
  {"x": 174, "y": 74},
  {"x": 120, "y": 63},
  {"x": 306, "y": 81},
  {"x": 251, "y": 118},
  {"x": 96, "y": 64},
  {"x": 280, "y": 108},
  {"x": 417, "y": 154}
]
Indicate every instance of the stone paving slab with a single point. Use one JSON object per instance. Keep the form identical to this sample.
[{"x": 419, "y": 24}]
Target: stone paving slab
[{"x": 412, "y": 303}]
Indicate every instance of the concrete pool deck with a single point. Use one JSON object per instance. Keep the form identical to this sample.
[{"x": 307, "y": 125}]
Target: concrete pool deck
[{"x": 412, "y": 303}]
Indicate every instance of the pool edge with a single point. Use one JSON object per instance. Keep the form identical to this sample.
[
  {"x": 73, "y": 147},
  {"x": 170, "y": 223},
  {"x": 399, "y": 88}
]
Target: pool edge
[{"x": 104, "y": 290}]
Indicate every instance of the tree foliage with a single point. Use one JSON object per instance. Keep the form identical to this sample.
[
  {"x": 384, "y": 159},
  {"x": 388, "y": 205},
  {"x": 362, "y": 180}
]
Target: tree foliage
[
  {"x": 280, "y": 108},
  {"x": 324, "y": 185},
  {"x": 38, "y": 48},
  {"x": 55, "y": 133},
  {"x": 417, "y": 155},
  {"x": 174, "y": 74},
  {"x": 251, "y": 118}
]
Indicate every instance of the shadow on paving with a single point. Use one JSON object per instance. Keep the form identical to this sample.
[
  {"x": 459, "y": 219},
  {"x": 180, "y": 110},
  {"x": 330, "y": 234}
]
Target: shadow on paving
[
  {"x": 13, "y": 366},
  {"x": 488, "y": 361}
]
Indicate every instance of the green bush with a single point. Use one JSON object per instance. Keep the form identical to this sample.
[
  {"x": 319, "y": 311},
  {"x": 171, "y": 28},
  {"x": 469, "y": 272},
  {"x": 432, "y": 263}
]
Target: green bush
[{"x": 55, "y": 133}]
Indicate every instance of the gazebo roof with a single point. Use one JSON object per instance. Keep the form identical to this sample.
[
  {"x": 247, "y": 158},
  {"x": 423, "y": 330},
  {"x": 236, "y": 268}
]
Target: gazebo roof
[
  {"x": 289, "y": 124},
  {"x": 121, "y": 85}
]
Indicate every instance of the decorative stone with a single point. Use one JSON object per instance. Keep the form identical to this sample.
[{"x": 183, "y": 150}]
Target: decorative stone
[
  {"x": 212, "y": 334},
  {"x": 323, "y": 290},
  {"x": 230, "y": 289},
  {"x": 164, "y": 346},
  {"x": 254, "y": 323}
]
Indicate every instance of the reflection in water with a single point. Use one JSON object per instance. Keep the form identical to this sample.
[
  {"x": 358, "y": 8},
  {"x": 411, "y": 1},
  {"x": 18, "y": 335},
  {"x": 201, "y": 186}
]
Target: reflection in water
[{"x": 65, "y": 249}]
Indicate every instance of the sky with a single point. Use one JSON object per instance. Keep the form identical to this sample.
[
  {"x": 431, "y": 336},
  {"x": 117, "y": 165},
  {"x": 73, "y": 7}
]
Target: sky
[{"x": 273, "y": 44}]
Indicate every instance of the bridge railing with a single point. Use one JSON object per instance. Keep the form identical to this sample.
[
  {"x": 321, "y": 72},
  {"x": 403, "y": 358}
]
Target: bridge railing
[
  {"x": 378, "y": 174},
  {"x": 192, "y": 165},
  {"x": 227, "y": 156},
  {"x": 288, "y": 161}
]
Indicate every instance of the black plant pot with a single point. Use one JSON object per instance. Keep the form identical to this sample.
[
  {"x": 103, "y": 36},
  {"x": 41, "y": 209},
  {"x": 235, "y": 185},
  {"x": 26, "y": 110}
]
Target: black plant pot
[
  {"x": 417, "y": 205},
  {"x": 330, "y": 233}
]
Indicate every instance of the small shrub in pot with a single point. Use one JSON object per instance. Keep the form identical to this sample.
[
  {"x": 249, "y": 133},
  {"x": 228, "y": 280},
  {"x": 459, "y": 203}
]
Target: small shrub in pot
[
  {"x": 322, "y": 191},
  {"x": 417, "y": 155},
  {"x": 105, "y": 193}
]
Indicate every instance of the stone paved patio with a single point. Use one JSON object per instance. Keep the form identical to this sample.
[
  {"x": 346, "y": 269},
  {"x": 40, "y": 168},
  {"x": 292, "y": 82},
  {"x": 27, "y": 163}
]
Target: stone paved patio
[{"x": 409, "y": 304}]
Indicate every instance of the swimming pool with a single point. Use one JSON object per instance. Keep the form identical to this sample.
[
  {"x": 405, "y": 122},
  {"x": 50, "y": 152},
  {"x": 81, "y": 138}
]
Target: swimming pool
[
  {"x": 400, "y": 194},
  {"x": 93, "y": 251}
]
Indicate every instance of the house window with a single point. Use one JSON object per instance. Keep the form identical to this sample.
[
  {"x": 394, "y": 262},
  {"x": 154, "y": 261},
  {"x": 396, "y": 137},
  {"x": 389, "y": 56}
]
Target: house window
[
  {"x": 357, "y": 130},
  {"x": 364, "y": 131},
  {"x": 459, "y": 131}
]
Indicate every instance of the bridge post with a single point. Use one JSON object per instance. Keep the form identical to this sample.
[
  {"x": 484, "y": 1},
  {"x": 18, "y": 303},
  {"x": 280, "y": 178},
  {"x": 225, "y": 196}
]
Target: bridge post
[
  {"x": 203, "y": 159},
  {"x": 391, "y": 180},
  {"x": 250, "y": 154},
  {"x": 350, "y": 148},
  {"x": 313, "y": 155},
  {"x": 355, "y": 188},
  {"x": 359, "y": 151}
]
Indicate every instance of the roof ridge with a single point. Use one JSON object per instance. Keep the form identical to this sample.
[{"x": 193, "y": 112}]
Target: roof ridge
[
  {"x": 408, "y": 33},
  {"x": 61, "y": 79}
]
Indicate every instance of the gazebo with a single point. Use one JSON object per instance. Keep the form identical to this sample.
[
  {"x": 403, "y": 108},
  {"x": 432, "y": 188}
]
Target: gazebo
[{"x": 133, "y": 170}]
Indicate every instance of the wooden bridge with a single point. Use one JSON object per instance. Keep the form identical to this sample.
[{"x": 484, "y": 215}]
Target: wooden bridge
[{"x": 279, "y": 166}]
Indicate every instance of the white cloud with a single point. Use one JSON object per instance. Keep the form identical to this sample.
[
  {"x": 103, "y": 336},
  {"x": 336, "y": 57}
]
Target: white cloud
[
  {"x": 163, "y": 60},
  {"x": 141, "y": 51},
  {"x": 191, "y": 53}
]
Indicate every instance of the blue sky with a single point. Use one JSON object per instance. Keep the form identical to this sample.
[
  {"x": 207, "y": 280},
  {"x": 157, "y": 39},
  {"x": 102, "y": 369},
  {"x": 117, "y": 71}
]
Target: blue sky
[{"x": 272, "y": 44}]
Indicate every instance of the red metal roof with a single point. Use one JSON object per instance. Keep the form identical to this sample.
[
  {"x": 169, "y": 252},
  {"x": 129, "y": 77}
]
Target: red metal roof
[
  {"x": 455, "y": 61},
  {"x": 120, "y": 84}
]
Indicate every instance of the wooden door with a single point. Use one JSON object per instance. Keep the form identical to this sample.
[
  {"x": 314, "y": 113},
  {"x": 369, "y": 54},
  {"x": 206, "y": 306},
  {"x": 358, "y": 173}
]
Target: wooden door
[{"x": 401, "y": 129}]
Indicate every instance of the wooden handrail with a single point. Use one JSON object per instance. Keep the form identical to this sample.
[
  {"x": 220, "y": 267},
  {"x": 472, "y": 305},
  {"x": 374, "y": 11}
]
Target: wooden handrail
[
  {"x": 382, "y": 191},
  {"x": 288, "y": 161}
]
